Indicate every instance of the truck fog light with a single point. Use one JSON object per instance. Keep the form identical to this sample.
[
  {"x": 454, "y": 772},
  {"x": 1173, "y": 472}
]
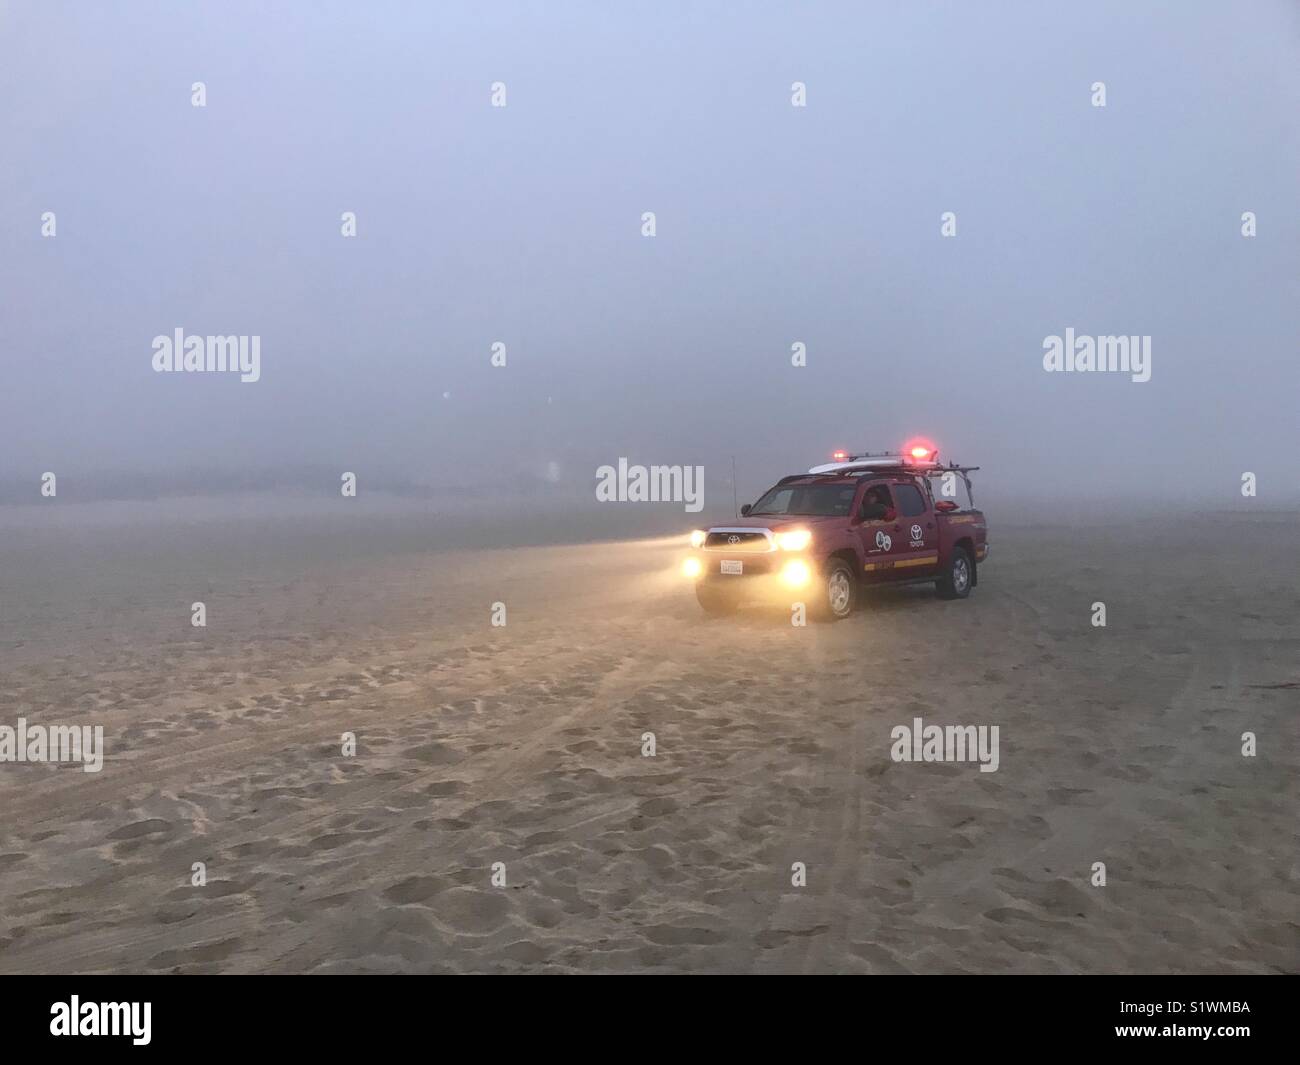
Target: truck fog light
[
  {"x": 795, "y": 573},
  {"x": 691, "y": 568}
]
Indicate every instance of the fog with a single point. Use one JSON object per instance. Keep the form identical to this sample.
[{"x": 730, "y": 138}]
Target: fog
[{"x": 775, "y": 225}]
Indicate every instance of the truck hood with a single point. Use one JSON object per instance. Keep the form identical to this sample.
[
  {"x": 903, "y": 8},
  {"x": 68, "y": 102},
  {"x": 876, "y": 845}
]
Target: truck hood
[{"x": 780, "y": 522}]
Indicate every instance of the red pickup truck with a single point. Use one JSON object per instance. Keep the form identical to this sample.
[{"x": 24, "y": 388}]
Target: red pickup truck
[{"x": 819, "y": 537}]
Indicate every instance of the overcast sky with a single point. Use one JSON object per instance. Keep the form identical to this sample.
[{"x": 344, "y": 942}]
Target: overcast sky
[{"x": 775, "y": 224}]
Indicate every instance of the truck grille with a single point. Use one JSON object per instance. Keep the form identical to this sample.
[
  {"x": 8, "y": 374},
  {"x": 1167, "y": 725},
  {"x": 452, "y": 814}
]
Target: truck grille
[{"x": 736, "y": 541}]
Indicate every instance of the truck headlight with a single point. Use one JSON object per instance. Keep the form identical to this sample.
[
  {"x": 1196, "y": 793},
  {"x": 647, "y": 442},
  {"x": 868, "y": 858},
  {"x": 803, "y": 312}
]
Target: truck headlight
[
  {"x": 697, "y": 538},
  {"x": 691, "y": 568},
  {"x": 794, "y": 540}
]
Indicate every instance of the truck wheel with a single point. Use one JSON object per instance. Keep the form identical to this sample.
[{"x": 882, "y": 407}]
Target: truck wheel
[
  {"x": 839, "y": 592},
  {"x": 958, "y": 577},
  {"x": 715, "y": 601}
]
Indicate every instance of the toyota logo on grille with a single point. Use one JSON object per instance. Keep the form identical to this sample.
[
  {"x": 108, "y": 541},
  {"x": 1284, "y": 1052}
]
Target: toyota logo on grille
[{"x": 733, "y": 539}]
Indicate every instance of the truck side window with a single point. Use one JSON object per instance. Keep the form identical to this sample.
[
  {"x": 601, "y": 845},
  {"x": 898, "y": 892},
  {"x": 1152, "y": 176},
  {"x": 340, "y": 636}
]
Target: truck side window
[
  {"x": 909, "y": 500},
  {"x": 878, "y": 493}
]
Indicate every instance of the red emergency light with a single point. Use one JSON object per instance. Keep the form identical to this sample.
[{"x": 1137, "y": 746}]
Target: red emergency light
[{"x": 920, "y": 450}]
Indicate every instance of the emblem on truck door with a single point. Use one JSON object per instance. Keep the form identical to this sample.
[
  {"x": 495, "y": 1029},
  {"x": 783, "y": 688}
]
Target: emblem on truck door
[
  {"x": 916, "y": 532},
  {"x": 883, "y": 542}
]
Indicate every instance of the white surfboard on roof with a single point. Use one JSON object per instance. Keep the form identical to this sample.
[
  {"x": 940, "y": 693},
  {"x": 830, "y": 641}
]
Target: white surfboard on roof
[{"x": 917, "y": 458}]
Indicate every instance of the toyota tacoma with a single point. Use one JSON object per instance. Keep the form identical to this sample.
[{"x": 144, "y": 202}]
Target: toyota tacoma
[{"x": 820, "y": 537}]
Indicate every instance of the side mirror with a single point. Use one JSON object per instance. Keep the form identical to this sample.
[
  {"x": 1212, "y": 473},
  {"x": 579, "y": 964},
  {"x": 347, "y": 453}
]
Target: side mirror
[
  {"x": 945, "y": 506},
  {"x": 890, "y": 514},
  {"x": 744, "y": 511}
]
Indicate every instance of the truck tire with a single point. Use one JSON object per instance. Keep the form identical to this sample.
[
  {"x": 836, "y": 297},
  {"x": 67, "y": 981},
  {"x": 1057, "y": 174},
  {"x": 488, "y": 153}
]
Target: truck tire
[
  {"x": 958, "y": 575},
  {"x": 839, "y": 592},
  {"x": 716, "y": 601}
]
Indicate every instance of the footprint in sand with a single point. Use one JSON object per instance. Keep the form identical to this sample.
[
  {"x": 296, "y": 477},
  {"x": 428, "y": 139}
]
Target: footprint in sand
[
  {"x": 433, "y": 754},
  {"x": 524, "y": 952},
  {"x": 415, "y": 889},
  {"x": 201, "y": 955},
  {"x": 147, "y": 827},
  {"x": 667, "y": 935},
  {"x": 444, "y": 787},
  {"x": 476, "y": 911}
]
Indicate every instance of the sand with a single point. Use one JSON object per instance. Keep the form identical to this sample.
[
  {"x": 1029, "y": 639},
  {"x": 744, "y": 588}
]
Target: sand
[{"x": 522, "y": 745}]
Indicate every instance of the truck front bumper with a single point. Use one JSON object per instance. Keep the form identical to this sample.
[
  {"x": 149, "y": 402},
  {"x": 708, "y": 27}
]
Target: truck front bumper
[{"x": 757, "y": 575}]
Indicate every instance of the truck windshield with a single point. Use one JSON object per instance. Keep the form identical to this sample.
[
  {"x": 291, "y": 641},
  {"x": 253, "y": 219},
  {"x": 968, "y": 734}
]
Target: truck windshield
[{"x": 818, "y": 499}]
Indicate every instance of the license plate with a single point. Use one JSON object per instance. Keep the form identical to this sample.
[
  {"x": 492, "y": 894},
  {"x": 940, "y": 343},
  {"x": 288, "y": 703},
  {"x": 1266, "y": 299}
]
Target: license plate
[{"x": 732, "y": 567}]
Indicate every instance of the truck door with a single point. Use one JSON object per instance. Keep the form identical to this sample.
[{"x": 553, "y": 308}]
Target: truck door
[
  {"x": 918, "y": 532},
  {"x": 879, "y": 532}
]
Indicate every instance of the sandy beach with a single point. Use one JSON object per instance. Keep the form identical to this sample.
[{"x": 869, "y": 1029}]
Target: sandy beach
[{"x": 523, "y": 745}]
